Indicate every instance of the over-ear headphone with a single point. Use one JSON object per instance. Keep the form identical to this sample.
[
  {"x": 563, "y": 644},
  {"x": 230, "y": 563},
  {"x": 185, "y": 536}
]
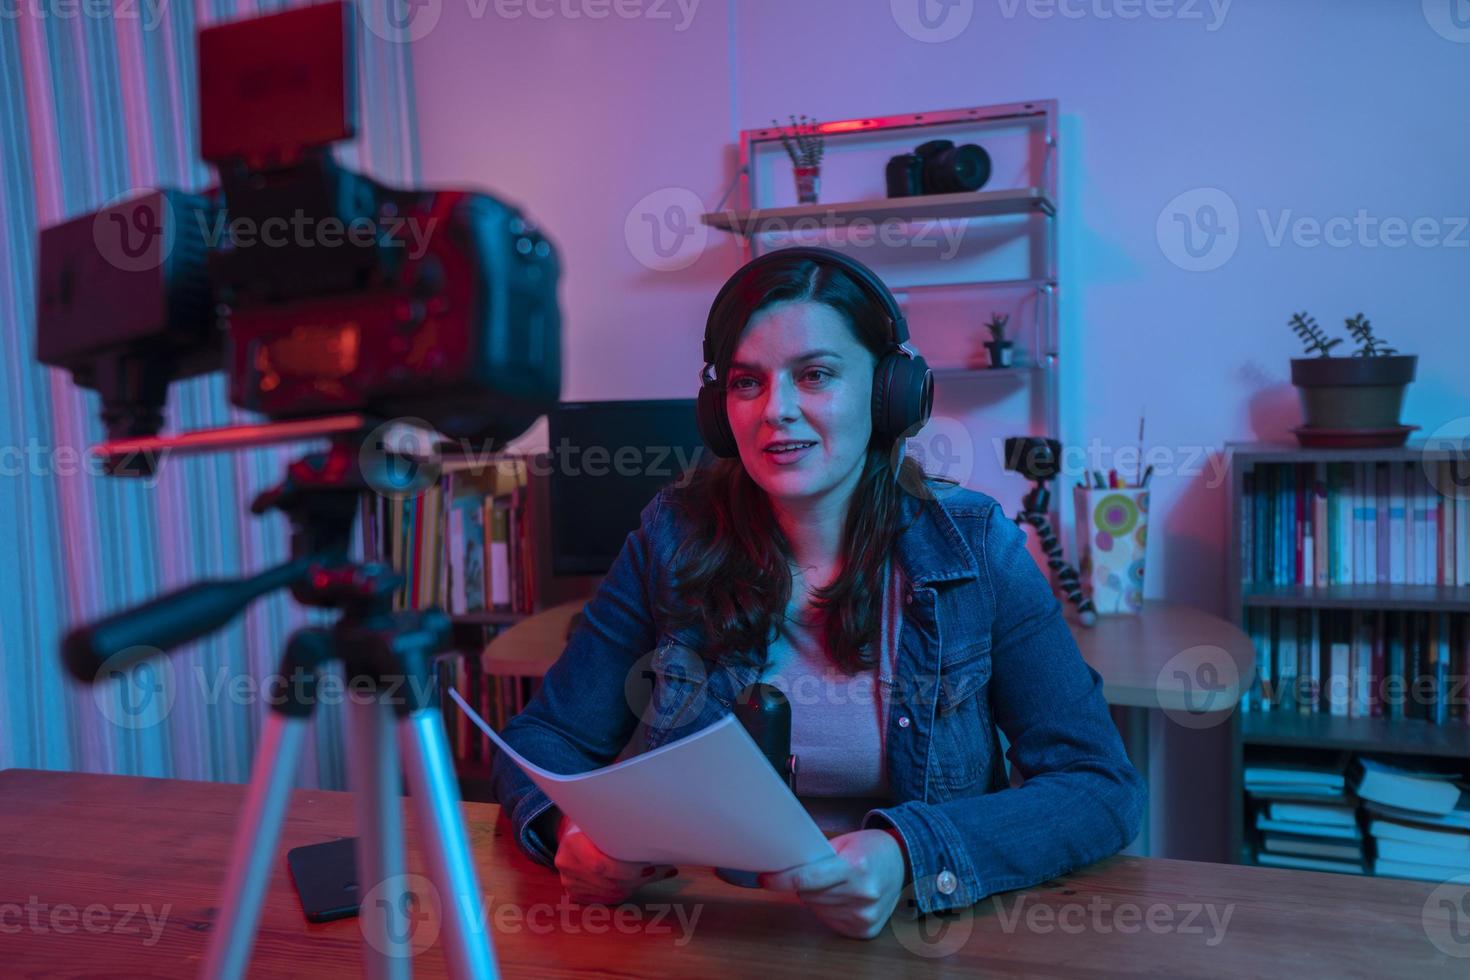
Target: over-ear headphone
[{"x": 903, "y": 385}]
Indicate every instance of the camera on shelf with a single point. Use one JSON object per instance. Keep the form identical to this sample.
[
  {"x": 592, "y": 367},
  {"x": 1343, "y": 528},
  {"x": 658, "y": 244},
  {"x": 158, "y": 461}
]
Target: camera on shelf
[
  {"x": 319, "y": 291},
  {"x": 938, "y": 167}
]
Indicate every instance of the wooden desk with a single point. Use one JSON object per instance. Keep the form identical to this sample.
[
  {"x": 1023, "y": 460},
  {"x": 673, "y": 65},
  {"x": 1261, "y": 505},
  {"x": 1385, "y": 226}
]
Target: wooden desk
[
  {"x": 1139, "y": 657},
  {"x": 1144, "y": 660},
  {"x": 530, "y": 647},
  {"x": 70, "y": 841}
]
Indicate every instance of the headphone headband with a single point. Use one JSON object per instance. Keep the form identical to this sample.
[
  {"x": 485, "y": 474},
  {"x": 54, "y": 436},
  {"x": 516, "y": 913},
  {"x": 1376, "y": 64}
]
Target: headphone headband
[{"x": 866, "y": 279}]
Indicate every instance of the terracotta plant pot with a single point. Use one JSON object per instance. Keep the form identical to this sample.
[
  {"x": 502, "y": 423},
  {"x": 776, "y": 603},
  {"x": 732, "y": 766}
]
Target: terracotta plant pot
[{"x": 1353, "y": 392}]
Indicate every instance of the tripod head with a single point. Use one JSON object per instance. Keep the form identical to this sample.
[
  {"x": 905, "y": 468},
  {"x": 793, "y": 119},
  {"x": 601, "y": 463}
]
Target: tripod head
[{"x": 320, "y": 494}]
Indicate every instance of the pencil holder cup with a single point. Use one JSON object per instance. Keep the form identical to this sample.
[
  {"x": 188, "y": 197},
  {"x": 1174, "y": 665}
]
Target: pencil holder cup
[
  {"x": 1112, "y": 534},
  {"x": 808, "y": 184}
]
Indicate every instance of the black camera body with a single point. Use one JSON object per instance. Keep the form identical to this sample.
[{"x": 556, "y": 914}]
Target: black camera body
[
  {"x": 319, "y": 290},
  {"x": 938, "y": 167},
  {"x": 461, "y": 330},
  {"x": 1035, "y": 457}
]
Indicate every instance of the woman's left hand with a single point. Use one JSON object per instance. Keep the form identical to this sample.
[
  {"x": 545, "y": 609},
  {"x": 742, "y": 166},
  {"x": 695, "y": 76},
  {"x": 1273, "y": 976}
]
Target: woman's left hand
[{"x": 854, "y": 891}]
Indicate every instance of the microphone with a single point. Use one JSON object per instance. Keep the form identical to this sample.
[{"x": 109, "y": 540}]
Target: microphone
[{"x": 765, "y": 714}]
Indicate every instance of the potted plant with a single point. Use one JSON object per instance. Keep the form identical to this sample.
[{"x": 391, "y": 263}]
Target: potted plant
[
  {"x": 999, "y": 347},
  {"x": 1363, "y": 393}
]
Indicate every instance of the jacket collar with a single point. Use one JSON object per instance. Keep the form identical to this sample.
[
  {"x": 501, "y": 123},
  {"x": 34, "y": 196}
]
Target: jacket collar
[{"x": 931, "y": 547}]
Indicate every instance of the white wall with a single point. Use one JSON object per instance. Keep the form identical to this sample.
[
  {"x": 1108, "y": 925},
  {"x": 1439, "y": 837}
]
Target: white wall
[{"x": 1284, "y": 111}]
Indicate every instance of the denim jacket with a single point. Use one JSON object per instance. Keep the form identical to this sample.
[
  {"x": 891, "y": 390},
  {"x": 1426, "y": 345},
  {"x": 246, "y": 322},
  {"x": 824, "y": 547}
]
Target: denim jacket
[{"x": 983, "y": 650}]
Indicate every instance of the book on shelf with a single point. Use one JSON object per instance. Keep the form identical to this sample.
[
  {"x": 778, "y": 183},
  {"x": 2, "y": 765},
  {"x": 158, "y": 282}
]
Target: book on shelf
[
  {"x": 1454, "y": 860},
  {"x": 1308, "y": 846},
  {"x": 486, "y": 539},
  {"x": 1456, "y": 819},
  {"x": 1322, "y": 524},
  {"x": 1412, "y": 832},
  {"x": 1405, "y": 869},
  {"x": 1302, "y": 829},
  {"x": 1361, "y": 663},
  {"x": 1330, "y": 814},
  {"x": 1430, "y": 790},
  {"x": 1419, "y": 844},
  {"x": 1308, "y": 863},
  {"x": 466, "y": 549},
  {"x": 1404, "y": 818},
  {"x": 467, "y": 543},
  {"x": 1295, "y": 780}
]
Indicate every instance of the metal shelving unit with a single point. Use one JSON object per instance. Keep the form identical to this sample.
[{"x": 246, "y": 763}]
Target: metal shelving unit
[{"x": 1036, "y": 202}]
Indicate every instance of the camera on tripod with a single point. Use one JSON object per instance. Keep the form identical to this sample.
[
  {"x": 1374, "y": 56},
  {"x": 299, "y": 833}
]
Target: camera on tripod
[
  {"x": 319, "y": 333},
  {"x": 938, "y": 167},
  {"x": 1039, "y": 460},
  {"x": 1036, "y": 458},
  {"x": 319, "y": 290}
]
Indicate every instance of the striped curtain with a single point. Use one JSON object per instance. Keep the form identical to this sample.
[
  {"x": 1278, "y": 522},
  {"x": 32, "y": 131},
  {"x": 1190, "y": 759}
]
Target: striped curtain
[{"x": 92, "y": 107}]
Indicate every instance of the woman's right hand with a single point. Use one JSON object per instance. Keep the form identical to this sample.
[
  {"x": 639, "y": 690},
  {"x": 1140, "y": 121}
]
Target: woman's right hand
[{"x": 589, "y": 875}]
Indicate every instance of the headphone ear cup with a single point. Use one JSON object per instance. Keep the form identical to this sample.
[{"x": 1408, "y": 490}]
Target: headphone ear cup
[
  {"x": 714, "y": 424},
  {"x": 903, "y": 396},
  {"x": 882, "y": 384}
]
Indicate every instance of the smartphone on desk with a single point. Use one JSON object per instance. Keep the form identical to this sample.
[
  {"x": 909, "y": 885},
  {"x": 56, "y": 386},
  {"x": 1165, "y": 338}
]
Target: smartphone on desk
[{"x": 325, "y": 876}]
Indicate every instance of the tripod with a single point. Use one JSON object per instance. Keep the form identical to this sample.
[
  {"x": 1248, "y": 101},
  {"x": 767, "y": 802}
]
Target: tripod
[
  {"x": 1033, "y": 511},
  {"x": 395, "y": 730}
]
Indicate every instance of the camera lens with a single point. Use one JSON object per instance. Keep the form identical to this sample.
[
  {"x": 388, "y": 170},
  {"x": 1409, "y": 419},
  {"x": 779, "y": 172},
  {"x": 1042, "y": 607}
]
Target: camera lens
[{"x": 955, "y": 168}]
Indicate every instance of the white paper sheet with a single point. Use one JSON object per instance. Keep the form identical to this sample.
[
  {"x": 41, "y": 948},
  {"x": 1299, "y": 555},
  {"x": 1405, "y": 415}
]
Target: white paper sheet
[{"x": 709, "y": 799}]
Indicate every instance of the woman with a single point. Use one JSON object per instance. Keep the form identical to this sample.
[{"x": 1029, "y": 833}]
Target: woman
[{"x": 905, "y": 620}]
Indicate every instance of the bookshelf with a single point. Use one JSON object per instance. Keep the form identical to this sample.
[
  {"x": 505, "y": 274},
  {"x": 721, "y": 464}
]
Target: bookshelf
[
  {"x": 419, "y": 535},
  {"x": 1407, "y": 736},
  {"x": 1316, "y": 717},
  {"x": 1424, "y": 598}
]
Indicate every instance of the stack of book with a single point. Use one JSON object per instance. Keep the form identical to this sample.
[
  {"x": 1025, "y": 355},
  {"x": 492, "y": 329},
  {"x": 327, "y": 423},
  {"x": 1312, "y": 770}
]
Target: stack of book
[
  {"x": 1418, "y": 819},
  {"x": 487, "y": 540},
  {"x": 495, "y": 699},
  {"x": 1354, "y": 523},
  {"x": 404, "y": 532},
  {"x": 464, "y": 544},
  {"x": 1361, "y": 663},
  {"x": 1305, "y": 819}
]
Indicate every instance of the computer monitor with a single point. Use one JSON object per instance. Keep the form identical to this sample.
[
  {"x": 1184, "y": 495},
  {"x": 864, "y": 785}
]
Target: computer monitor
[{"x": 608, "y": 460}]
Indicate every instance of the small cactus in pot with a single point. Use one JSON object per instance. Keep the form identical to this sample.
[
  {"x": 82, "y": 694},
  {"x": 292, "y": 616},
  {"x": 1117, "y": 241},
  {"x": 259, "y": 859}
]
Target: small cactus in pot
[{"x": 1001, "y": 349}]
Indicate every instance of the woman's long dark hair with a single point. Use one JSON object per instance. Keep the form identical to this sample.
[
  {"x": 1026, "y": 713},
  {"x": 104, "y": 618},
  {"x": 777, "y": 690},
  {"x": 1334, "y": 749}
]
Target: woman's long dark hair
[{"x": 732, "y": 575}]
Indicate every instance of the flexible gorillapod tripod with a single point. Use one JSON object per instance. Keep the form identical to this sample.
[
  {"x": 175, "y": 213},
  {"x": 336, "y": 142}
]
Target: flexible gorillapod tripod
[
  {"x": 388, "y": 653},
  {"x": 1033, "y": 511}
]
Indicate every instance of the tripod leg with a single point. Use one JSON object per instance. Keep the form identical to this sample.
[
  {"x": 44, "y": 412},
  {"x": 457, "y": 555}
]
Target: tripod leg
[
  {"x": 1066, "y": 575},
  {"x": 435, "y": 798},
  {"x": 254, "y": 851},
  {"x": 373, "y": 755}
]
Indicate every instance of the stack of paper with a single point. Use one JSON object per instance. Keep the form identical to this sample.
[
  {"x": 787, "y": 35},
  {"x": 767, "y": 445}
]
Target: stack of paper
[{"x": 708, "y": 799}]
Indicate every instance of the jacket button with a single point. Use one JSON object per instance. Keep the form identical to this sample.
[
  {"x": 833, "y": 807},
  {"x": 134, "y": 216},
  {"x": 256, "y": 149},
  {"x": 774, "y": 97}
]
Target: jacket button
[
  {"x": 946, "y": 882},
  {"x": 903, "y": 721},
  {"x": 908, "y": 598}
]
